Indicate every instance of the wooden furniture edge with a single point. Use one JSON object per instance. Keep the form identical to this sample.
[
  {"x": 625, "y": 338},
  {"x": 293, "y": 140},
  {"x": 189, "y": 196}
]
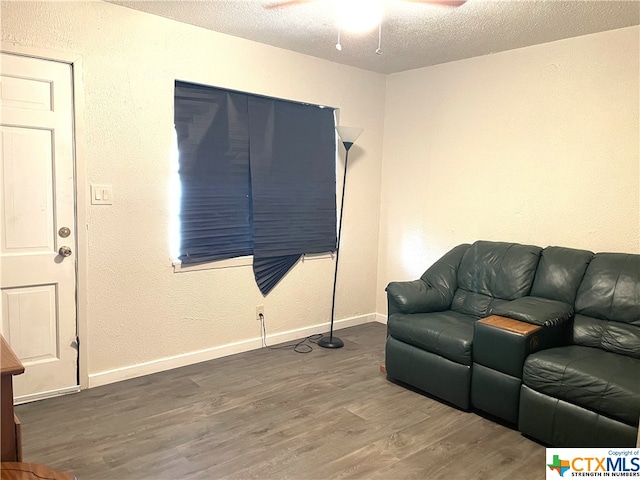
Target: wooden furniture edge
[
  {"x": 16, "y": 420},
  {"x": 10, "y": 428},
  {"x": 23, "y": 471},
  {"x": 9, "y": 362},
  {"x": 510, "y": 325}
]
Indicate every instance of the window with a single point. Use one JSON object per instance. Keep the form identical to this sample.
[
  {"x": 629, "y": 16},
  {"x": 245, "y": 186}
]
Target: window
[{"x": 257, "y": 177}]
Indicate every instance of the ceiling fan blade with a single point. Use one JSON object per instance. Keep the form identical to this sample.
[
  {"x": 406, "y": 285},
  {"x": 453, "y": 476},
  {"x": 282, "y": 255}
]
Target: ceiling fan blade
[
  {"x": 443, "y": 3},
  {"x": 289, "y": 3}
]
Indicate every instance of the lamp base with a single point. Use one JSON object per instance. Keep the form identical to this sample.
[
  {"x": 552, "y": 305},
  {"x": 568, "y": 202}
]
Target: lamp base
[{"x": 331, "y": 342}]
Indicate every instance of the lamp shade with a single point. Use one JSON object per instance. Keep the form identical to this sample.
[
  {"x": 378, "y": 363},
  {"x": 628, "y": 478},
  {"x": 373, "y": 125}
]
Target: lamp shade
[{"x": 349, "y": 134}]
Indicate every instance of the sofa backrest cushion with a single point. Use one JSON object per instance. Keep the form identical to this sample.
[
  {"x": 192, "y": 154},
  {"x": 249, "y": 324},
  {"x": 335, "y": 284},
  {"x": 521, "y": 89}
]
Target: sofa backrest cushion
[
  {"x": 616, "y": 337},
  {"x": 610, "y": 289},
  {"x": 608, "y": 304},
  {"x": 492, "y": 272},
  {"x": 559, "y": 273}
]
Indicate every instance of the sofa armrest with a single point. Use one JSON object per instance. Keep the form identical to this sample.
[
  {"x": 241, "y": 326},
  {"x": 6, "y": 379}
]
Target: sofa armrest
[
  {"x": 502, "y": 343},
  {"x": 414, "y": 297},
  {"x": 435, "y": 289},
  {"x": 536, "y": 310}
]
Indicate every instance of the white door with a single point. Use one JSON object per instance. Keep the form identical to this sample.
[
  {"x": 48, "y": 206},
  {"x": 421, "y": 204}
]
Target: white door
[{"x": 37, "y": 222}]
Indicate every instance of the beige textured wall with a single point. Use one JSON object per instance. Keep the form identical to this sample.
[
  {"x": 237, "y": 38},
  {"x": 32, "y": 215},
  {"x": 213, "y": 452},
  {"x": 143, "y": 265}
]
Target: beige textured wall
[
  {"x": 536, "y": 145},
  {"x": 138, "y": 310}
]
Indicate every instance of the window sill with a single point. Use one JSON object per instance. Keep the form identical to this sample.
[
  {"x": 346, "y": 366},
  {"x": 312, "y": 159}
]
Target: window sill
[
  {"x": 317, "y": 256},
  {"x": 178, "y": 267}
]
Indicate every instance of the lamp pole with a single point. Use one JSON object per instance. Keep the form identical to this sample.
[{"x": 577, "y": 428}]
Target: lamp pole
[{"x": 348, "y": 136}]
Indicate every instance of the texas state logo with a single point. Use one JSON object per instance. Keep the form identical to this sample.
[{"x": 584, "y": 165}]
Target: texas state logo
[
  {"x": 560, "y": 466},
  {"x": 593, "y": 462}
]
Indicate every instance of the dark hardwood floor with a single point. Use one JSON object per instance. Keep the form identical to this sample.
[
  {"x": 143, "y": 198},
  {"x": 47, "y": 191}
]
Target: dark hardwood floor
[{"x": 273, "y": 414}]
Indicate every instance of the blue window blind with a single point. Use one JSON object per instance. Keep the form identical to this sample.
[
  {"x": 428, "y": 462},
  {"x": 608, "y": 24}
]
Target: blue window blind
[{"x": 257, "y": 177}]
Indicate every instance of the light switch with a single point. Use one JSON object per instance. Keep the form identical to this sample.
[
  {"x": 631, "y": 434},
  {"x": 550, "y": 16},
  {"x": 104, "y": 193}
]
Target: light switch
[{"x": 101, "y": 195}]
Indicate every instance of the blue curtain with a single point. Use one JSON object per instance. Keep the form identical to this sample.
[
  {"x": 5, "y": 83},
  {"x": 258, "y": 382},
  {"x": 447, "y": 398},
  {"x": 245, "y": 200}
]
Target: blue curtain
[
  {"x": 257, "y": 176},
  {"x": 213, "y": 140}
]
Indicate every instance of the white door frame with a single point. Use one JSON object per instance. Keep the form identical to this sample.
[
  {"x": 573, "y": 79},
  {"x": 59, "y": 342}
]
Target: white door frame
[{"x": 80, "y": 189}]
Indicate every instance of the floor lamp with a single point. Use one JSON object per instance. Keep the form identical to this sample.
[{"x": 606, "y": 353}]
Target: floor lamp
[{"x": 348, "y": 135}]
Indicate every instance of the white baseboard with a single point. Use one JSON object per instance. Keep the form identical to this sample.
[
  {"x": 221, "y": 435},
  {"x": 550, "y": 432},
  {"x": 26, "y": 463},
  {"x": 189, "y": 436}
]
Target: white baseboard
[
  {"x": 380, "y": 318},
  {"x": 43, "y": 395},
  {"x": 132, "y": 371}
]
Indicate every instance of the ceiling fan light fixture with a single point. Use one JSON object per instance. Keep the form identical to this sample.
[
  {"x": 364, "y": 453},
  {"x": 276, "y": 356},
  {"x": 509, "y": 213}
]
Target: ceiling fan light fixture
[{"x": 359, "y": 16}]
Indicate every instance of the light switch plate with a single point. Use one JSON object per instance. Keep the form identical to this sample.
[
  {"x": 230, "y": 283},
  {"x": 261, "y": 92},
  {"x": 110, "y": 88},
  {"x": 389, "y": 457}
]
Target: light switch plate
[{"x": 101, "y": 194}]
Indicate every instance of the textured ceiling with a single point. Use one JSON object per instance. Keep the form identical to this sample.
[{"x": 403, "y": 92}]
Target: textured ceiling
[{"x": 414, "y": 35}]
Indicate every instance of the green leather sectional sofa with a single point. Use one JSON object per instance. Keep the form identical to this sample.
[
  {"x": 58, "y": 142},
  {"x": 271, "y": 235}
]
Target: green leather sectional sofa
[{"x": 570, "y": 378}]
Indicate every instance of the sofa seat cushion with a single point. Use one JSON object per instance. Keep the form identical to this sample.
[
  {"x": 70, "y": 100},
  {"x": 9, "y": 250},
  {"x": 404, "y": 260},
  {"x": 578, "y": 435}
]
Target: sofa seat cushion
[
  {"x": 594, "y": 379},
  {"x": 448, "y": 334}
]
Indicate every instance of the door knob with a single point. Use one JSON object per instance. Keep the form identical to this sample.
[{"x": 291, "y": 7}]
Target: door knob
[{"x": 64, "y": 251}]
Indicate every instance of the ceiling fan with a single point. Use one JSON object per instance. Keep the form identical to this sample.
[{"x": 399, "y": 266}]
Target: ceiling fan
[
  {"x": 361, "y": 15},
  {"x": 443, "y": 3}
]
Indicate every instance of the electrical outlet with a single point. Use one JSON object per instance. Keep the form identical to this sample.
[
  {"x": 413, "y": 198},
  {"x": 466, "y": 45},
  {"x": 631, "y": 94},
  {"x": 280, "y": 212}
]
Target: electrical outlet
[{"x": 259, "y": 312}]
